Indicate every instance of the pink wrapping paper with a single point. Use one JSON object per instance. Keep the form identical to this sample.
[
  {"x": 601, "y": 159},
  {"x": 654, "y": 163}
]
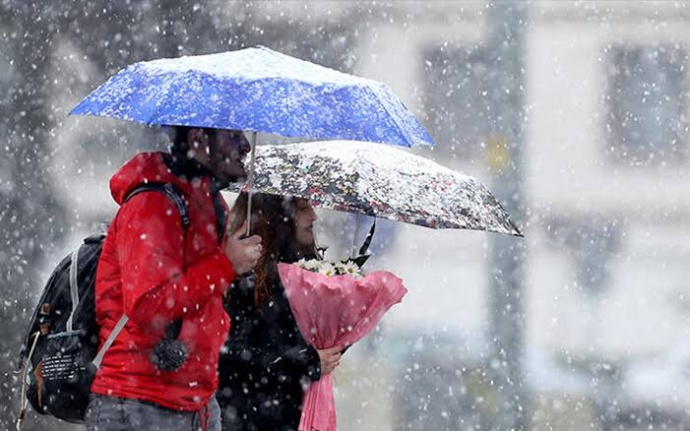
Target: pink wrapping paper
[{"x": 335, "y": 311}]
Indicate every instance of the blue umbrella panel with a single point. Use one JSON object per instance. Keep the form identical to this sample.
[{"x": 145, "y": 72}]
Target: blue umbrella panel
[{"x": 259, "y": 90}]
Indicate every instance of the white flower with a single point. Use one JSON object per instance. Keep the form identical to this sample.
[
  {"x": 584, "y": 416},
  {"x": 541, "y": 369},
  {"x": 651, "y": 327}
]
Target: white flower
[
  {"x": 326, "y": 268},
  {"x": 350, "y": 268},
  {"x": 311, "y": 265}
]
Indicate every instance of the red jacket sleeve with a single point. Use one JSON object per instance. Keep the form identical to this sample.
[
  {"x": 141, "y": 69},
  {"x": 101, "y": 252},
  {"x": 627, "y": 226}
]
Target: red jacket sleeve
[{"x": 157, "y": 288}]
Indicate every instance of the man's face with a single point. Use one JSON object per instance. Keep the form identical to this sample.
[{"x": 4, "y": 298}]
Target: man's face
[{"x": 222, "y": 152}]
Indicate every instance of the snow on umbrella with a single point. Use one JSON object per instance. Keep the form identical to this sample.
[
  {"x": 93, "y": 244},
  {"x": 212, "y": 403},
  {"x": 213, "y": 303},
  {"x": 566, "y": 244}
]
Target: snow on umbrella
[
  {"x": 380, "y": 181},
  {"x": 259, "y": 90}
]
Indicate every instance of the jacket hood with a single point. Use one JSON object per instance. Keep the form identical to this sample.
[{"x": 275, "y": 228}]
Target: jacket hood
[{"x": 151, "y": 167}]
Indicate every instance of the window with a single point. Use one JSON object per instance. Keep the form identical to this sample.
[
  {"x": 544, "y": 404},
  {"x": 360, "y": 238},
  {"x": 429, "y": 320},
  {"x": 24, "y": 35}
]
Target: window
[
  {"x": 456, "y": 100},
  {"x": 647, "y": 118}
]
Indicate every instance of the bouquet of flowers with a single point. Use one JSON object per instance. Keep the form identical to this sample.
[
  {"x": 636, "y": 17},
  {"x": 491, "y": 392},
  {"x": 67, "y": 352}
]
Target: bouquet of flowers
[
  {"x": 351, "y": 266},
  {"x": 335, "y": 304}
]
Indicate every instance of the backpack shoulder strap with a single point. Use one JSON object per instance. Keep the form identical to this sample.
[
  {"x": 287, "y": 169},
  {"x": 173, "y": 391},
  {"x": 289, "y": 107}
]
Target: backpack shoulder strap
[
  {"x": 172, "y": 192},
  {"x": 109, "y": 341}
]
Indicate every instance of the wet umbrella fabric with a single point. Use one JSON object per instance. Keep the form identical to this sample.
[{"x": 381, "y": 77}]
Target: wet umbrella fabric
[
  {"x": 380, "y": 181},
  {"x": 260, "y": 90}
]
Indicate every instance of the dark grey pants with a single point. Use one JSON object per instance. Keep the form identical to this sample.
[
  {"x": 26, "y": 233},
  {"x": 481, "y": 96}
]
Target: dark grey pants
[{"x": 122, "y": 414}]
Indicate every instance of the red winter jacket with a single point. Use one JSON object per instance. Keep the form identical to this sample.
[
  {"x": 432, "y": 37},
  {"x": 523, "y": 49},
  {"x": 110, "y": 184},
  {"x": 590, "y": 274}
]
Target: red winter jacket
[{"x": 155, "y": 271}]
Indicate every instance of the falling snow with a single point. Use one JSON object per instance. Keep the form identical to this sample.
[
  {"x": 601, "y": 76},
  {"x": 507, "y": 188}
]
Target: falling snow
[{"x": 572, "y": 114}]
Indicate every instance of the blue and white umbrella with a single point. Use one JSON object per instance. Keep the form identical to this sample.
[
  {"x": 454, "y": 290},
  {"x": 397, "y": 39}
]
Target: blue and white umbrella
[{"x": 259, "y": 90}]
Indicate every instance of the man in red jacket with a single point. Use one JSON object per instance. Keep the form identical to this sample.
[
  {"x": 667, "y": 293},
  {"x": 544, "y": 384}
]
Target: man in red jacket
[{"x": 157, "y": 271}]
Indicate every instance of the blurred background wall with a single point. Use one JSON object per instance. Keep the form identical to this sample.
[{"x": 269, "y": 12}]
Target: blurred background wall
[{"x": 603, "y": 192}]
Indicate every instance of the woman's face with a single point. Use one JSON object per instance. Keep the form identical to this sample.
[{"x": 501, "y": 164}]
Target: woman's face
[{"x": 304, "y": 222}]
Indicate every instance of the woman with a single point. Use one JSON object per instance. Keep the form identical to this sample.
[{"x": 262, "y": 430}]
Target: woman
[{"x": 266, "y": 364}]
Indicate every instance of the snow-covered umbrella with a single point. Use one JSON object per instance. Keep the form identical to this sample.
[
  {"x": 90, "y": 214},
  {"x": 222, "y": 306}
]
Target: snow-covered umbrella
[
  {"x": 259, "y": 90},
  {"x": 380, "y": 181}
]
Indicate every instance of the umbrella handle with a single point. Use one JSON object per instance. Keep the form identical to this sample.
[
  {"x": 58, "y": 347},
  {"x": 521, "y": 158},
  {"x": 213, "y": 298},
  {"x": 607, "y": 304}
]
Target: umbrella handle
[
  {"x": 353, "y": 253},
  {"x": 367, "y": 241},
  {"x": 250, "y": 181}
]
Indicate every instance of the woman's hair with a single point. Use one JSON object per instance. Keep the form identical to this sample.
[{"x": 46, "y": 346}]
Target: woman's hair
[{"x": 273, "y": 219}]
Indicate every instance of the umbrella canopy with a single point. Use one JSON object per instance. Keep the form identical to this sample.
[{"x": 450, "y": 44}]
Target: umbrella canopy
[
  {"x": 380, "y": 181},
  {"x": 260, "y": 90}
]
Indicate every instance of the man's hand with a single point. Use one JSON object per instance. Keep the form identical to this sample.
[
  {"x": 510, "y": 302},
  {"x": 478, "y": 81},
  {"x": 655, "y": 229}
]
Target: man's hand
[
  {"x": 243, "y": 253},
  {"x": 330, "y": 359}
]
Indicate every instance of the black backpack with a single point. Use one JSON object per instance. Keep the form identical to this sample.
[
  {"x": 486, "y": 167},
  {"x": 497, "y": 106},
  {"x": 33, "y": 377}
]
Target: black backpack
[{"x": 61, "y": 344}]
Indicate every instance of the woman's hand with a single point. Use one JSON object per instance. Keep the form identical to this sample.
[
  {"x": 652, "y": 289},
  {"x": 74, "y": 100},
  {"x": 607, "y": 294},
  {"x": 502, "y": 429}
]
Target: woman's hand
[{"x": 330, "y": 358}]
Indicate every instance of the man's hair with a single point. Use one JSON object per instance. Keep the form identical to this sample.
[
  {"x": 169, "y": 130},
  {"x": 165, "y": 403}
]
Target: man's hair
[{"x": 180, "y": 136}]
